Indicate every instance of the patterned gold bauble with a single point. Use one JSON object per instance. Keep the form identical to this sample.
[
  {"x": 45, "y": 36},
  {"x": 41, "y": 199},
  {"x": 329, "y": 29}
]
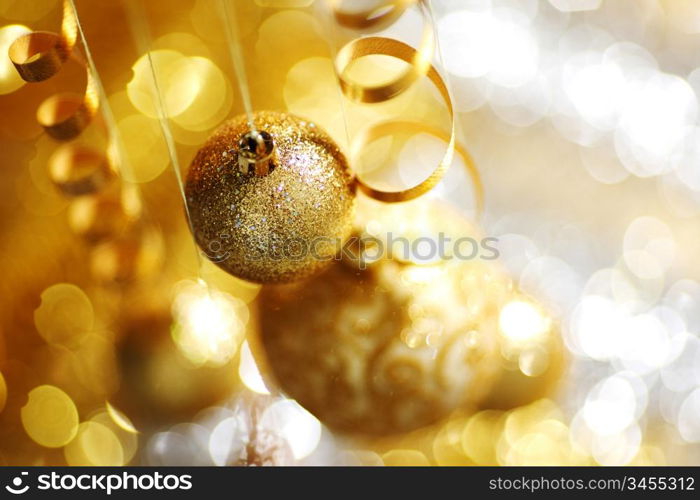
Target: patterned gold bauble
[
  {"x": 270, "y": 205},
  {"x": 391, "y": 348}
]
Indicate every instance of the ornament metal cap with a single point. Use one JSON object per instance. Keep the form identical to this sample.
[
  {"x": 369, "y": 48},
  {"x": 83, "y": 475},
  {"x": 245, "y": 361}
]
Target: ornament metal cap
[{"x": 256, "y": 153}]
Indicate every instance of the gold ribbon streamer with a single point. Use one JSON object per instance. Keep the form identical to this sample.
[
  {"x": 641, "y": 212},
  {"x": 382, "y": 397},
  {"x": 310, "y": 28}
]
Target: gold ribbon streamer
[
  {"x": 388, "y": 128},
  {"x": 420, "y": 65},
  {"x": 108, "y": 216},
  {"x": 78, "y": 170},
  {"x": 400, "y": 50},
  {"x": 418, "y": 60},
  {"x": 38, "y": 56}
]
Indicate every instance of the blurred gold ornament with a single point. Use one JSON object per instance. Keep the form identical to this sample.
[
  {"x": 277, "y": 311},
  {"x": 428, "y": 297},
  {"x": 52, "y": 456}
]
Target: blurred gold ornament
[
  {"x": 158, "y": 384},
  {"x": 391, "y": 348},
  {"x": 270, "y": 205}
]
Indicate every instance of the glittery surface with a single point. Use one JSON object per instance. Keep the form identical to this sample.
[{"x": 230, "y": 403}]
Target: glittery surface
[{"x": 276, "y": 228}]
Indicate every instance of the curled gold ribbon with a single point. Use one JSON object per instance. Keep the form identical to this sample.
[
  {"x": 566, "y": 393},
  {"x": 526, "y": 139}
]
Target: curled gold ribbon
[
  {"x": 400, "y": 50},
  {"x": 419, "y": 65},
  {"x": 388, "y": 128},
  {"x": 64, "y": 116},
  {"x": 38, "y": 56},
  {"x": 79, "y": 170},
  {"x": 102, "y": 212},
  {"x": 419, "y": 61}
]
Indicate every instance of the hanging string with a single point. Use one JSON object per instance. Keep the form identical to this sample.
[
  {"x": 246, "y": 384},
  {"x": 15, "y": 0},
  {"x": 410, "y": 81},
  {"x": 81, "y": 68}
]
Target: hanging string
[
  {"x": 111, "y": 123},
  {"x": 233, "y": 39},
  {"x": 142, "y": 38},
  {"x": 330, "y": 38}
]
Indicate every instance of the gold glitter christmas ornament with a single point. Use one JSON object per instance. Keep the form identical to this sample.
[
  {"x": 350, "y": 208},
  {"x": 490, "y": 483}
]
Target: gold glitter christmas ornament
[
  {"x": 273, "y": 204},
  {"x": 391, "y": 348}
]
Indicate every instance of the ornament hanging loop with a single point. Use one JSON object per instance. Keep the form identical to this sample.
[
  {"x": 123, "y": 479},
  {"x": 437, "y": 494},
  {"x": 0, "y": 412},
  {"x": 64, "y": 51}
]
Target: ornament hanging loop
[{"x": 256, "y": 153}]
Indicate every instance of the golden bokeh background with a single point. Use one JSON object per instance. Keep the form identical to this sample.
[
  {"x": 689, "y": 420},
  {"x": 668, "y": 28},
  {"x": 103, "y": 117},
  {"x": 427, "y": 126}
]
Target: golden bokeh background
[{"x": 120, "y": 345}]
